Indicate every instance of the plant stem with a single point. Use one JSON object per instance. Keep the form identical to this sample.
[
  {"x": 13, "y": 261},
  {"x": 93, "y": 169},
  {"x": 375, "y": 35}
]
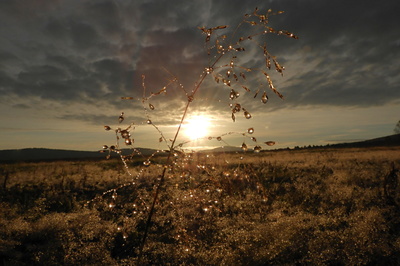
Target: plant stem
[{"x": 162, "y": 177}]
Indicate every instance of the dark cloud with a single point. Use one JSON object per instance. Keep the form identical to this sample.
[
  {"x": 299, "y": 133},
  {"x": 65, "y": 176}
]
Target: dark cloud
[{"x": 96, "y": 51}]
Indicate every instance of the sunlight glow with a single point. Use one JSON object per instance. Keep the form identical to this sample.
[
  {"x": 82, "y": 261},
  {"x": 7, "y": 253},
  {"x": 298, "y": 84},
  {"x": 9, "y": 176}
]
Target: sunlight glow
[{"x": 197, "y": 127}]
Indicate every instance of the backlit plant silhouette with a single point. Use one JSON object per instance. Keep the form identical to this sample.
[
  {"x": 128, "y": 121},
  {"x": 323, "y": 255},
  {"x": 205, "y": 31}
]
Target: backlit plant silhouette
[{"x": 176, "y": 167}]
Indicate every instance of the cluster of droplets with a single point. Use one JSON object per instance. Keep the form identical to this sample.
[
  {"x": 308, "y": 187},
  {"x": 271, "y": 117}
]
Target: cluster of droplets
[
  {"x": 180, "y": 163},
  {"x": 232, "y": 73}
]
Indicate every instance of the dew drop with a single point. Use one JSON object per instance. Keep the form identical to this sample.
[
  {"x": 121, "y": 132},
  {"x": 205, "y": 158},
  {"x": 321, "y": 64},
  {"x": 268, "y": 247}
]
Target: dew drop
[
  {"x": 233, "y": 117},
  {"x": 270, "y": 143},
  {"x": 111, "y": 204},
  {"x": 125, "y": 134},
  {"x": 247, "y": 114},
  {"x": 257, "y": 149},
  {"x": 210, "y": 138},
  {"x": 238, "y": 107},
  {"x": 233, "y": 94},
  {"x": 147, "y": 163},
  {"x": 105, "y": 147},
  {"x": 128, "y": 141},
  {"x": 219, "y": 138},
  {"x": 244, "y": 147},
  {"x": 250, "y": 130},
  {"x": 149, "y": 121},
  {"x": 114, "y": 195},
  {"x": 264, "y": 98},
  {"x": 151, "y": 106},
  {"x": 160, "y": 139},
  {"x": 107, "y": 128},
  {"x": 121, "y": 117}
]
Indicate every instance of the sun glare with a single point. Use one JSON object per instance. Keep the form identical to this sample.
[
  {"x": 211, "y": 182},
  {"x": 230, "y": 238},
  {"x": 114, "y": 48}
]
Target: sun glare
[{"x": 197, "y": 127}]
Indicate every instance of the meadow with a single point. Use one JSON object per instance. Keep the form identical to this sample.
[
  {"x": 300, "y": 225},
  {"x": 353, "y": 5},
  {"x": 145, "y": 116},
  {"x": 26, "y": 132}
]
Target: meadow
[{"x": 289, "y": 207}]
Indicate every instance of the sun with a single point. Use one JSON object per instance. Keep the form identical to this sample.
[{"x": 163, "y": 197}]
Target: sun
[{"x": 197, "y": 127}]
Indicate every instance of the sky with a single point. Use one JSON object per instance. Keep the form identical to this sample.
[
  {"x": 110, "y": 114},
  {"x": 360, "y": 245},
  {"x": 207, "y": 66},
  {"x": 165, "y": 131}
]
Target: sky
[{"x": 65, "y": 64}]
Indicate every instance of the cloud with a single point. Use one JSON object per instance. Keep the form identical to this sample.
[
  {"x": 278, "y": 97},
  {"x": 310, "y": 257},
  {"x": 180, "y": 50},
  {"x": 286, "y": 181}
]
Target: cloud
[{"x": 94, "y": 52}]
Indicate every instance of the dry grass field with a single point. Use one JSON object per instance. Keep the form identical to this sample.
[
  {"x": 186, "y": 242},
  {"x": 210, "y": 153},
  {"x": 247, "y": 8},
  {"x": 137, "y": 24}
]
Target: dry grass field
[{"x": 306, "y": 207}]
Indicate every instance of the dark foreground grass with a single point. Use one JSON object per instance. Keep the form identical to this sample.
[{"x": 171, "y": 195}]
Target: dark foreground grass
[{"x": 314, "y": 207}]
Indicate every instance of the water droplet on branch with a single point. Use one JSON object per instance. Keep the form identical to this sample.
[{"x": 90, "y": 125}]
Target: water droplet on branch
[
  {"x": 270, "y": 143},
  {"x": 246, "y": 114},
  {"x": 244, "y": 147},
  {"x": 257, "y": 149},
  {"x": 264, "y": 98},
  {"x": 233, "y": 94},
  {"x": 121, "y": 117}
]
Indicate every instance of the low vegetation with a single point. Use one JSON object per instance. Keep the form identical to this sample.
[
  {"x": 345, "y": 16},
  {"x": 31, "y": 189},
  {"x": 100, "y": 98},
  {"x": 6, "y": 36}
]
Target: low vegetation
[{"x": 332, "y": 206}]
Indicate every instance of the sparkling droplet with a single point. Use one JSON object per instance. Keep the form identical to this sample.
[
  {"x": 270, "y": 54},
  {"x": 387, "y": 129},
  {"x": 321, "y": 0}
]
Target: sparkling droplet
[
  {"x": 233, "y": 94},
  {"x": 219, "y": 138},
  {"x": 257, "y": 149},
  {"x": 244, "y": 147},
  {"x": 147, "y": 163},
  {"x": 105, "y": 147},
  {"x": 250, "y": 130},
  {"x": 151, "y": 106},
  {"x": 238, "y": 107},
  {"x": 128, "y": 141},
  {"x": 107, "y": 128},
  {"x": 148, "y": 121},
  {"x": 233, "y": 117},
  {"x": 125, "y": 134},
  {"x": 264, "y": 98},
  {"x": 121, "y": 117},
  {"x": 114, "y": 195},
  {"x": 209, "y": 70},
  {"x": 247, "y": 114},
  {"x": 270, "y": 143},
  {"x": 111, "y": 204},
  {"x": 254, "y": 139},
  {"x": 210, "y": 138}
]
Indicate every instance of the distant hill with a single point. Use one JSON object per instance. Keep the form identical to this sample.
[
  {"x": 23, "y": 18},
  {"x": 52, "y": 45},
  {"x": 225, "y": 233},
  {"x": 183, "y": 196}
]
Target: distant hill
[
  {"x": 226, "y": 149},
  {"x": 391, "y": 140},
  {"x": 41, "y": 154}
]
